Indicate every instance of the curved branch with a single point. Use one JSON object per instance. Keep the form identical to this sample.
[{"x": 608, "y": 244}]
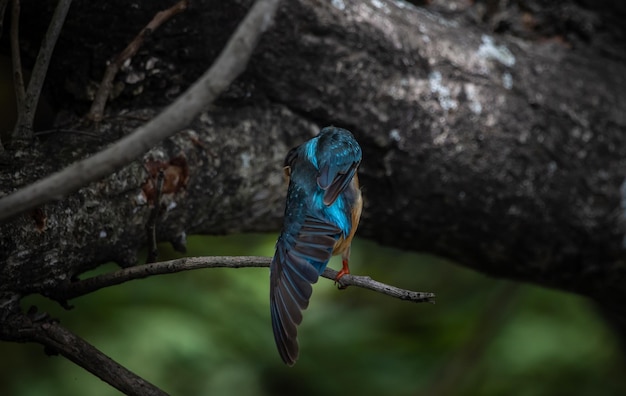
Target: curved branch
[
  {"x": 90, "y": 285},
  {"x": 26, "y": 110},
  {"x": 56, "y": 338},
  {"x": 104, "y": 90},
  {"x": 16, "y": 57},
  {"x": 230, "y": 63}
]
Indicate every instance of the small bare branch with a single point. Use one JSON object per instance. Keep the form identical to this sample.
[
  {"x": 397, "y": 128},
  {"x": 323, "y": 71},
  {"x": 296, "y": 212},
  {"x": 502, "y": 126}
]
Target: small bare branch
[
  {"x": 16, "y": 58},
  {"x": 230, "y": 63},
  {"x": 104, "y": 90},
  {"x": 368, "y": 283},
  {"x": 26, "y": 110},
  {"x": 3, "y": 7},
  {"x": 90, "y": 285}
]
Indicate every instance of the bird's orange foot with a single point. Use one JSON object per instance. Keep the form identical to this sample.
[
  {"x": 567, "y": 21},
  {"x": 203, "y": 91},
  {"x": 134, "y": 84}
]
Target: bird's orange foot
[{"x": 344, "y": 270}]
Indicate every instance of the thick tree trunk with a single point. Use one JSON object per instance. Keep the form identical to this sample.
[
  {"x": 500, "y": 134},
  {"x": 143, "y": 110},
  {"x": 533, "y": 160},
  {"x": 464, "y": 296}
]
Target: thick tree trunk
[{"x": 504, "y": 152}]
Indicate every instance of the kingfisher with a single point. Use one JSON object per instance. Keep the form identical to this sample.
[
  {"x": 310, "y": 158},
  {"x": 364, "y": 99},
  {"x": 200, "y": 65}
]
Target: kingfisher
[{"x": 322, "y": 213}]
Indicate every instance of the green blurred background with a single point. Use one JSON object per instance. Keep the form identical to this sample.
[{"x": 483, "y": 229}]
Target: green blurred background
[{"x": 208, "y": 332}]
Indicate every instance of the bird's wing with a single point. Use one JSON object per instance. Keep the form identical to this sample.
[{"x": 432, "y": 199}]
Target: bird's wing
[
  {"x": 339, "y": 182},
  {"x": 337, "y": 169},
  {"x": 296, "y": 265}
]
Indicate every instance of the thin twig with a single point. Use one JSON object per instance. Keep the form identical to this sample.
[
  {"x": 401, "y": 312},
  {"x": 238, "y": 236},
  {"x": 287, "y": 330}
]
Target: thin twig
[
  {"x": 26, "y": 113},
  {"x": 366, "y": 282},
  {"x": 16, "y": 58},
  {"x": 71, "y": 131},
  {"x": 98, "y": 282},
  {"x": 153, "y": 251},
  {"x": 57, "y": 339},
  {"x": 3, "y": 7},
  {"x": 230, "y": 63},
  {"x": 104, "y": 90}
]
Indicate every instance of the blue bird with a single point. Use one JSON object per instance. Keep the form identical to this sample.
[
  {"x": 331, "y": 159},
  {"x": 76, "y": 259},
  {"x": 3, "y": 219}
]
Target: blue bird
[{"x": 321, "y": 216}]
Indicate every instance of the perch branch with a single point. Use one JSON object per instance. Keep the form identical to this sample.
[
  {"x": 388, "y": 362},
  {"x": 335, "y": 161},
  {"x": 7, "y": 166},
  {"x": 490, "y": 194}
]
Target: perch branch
[
  {"x": 26, "y": 111},
  {"x": 57, "y": 339},
  {"x": 92, "y": 284},
  {"x": 366, "y": 282},
  {"x": 104, "y": 90},
  {"x": 230, "y": 63}
]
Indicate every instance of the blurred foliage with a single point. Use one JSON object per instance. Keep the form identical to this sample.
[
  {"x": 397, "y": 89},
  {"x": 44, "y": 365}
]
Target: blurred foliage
[{"x": 208, "y": 332}]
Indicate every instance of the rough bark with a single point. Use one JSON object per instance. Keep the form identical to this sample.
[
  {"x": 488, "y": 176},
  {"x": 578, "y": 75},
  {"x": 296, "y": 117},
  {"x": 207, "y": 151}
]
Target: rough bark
[{"x": 504, "y": 151}]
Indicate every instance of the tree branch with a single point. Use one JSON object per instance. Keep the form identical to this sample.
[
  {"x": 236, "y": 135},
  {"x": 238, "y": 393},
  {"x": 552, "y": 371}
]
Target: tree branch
[
  {"x": 92, "y": 284},
  {"x": 368, "y": 283},
  {"x": 16, "y": 58},
  {"x": 104, "y": 90},
  {"x": 231, "y": 62},
  {"x": 56, "y": 339},
  {"x": 26, "y": 110},
  {"x": 3, "y": 7}
]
